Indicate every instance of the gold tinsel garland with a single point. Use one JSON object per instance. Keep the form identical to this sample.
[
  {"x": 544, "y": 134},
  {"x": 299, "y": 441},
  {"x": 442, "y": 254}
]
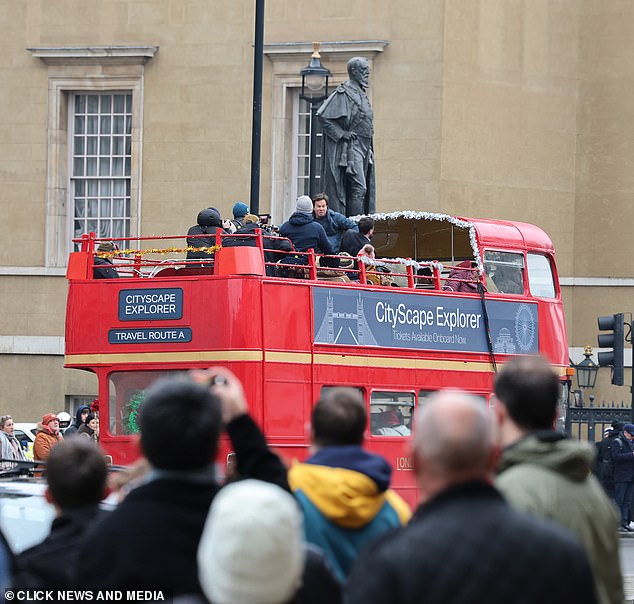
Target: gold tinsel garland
[{"x": 169, "y": 250}]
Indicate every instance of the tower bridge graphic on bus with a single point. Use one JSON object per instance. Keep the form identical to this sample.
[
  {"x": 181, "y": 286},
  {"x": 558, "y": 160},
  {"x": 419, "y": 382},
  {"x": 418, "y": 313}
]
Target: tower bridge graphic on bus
[{"x": 346, "y": 321}]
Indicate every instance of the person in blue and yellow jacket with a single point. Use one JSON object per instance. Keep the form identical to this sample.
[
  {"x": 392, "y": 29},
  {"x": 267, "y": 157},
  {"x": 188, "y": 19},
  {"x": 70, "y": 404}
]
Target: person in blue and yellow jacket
[{"x": 342, "y": 489}]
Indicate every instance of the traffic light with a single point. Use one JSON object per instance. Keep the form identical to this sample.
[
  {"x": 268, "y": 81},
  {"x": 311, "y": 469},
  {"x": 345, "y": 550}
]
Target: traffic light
[{"x": 615, "y": 341}]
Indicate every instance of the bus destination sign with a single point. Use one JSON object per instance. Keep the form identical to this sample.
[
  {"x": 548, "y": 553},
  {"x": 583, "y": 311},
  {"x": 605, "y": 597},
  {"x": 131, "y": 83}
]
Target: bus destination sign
[
  {"x": 156, "y": 335},
  {"x": 163, "y": 304},
  {"x": 424, "y": 322}
]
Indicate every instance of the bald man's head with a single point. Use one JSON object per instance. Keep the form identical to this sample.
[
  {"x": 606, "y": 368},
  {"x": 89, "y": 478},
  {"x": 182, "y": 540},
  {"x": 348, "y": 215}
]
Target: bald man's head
[{"x": 454, "y": 437}]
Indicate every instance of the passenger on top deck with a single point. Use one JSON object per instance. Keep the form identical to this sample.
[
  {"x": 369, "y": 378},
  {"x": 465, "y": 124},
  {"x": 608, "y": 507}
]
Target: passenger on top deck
[
  {"x": 208, "y": 223},
  {"x": 334, "y": 223},
  {"x": 305, "y": 233},
  {"x": 353, "y": 241},
  {"x": 246, "y": 235},
  {"x": 463, "y": 278},
  {"x": 108, "y": 271},
  {"x": 367, "y": 251},
  {"x": 240, "y": 211}
]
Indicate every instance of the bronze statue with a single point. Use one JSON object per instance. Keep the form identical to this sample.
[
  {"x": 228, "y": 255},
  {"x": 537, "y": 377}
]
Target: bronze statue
[{"x": 347, "y": 121}]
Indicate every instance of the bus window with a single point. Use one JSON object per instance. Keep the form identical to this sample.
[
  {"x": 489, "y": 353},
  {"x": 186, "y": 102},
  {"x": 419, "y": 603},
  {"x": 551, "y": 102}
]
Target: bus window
[
  {"x": 540, "y": 276},
  {"x": 423, "y": 397},
  {"x": 126, "y": 392},
  {"x": 326, "y": 389},
  {"x": 391, "y": 413},
  {"x": 505, "y": 270}
]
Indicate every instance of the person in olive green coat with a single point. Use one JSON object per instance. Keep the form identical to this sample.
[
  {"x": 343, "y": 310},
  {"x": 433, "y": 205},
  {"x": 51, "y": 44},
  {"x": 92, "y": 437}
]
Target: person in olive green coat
[{"x": 542, "y": 472}]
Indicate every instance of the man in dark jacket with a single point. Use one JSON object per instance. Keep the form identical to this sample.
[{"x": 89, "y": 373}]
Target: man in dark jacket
[
  {"x": 203, "y": 234},
  {"x": 334, "y": 223},
  {"x": 604, "y": 465},
  {"x": 150, "y": 540},
  {"x": 465, "y": 544},
  {"x": 353, "y": 241},
  {"x": 245, "y": 236},
  {"x": 303, "y": 231},
  {"x": 80, "y": 418},
  {"x": 76, "y": 475},
  {"x": 623, "y": 456},
  {"x": 104, "y": 267}
]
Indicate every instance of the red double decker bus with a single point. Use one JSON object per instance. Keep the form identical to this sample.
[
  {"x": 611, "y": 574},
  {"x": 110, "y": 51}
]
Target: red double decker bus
[{"x": 449, "y": 300}]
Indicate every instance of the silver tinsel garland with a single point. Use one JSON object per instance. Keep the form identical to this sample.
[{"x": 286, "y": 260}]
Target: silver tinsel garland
[{"x": 409, "y": 215}]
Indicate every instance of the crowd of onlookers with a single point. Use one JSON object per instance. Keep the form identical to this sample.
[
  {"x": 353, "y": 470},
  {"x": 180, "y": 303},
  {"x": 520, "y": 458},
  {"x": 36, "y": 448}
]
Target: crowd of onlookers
[
  {"x": 50, "y": 431},
  {"x": 509, "y": 510}
]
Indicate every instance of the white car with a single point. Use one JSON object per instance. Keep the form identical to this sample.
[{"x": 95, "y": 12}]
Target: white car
[{"x": 25, "y": 433}]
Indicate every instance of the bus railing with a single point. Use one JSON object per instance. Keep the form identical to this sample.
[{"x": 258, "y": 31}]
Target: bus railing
[{"x": 135, "y": 258}]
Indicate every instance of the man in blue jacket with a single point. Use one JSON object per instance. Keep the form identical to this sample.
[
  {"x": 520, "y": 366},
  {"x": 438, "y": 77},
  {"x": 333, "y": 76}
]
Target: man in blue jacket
[
  {"x": 334, "y": 223},
  {"x": 341, "y": 488}
]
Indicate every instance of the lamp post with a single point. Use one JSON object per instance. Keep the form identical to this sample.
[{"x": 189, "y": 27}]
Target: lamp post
[
  {"x": 256, "y": 129},
  {"x": 314, "y": 91},
  {"x": 586, "y": 370}
]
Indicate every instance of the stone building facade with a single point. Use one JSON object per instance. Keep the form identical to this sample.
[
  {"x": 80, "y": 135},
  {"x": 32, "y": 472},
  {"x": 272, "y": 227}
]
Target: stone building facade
[{"x": 511, "y": 109}]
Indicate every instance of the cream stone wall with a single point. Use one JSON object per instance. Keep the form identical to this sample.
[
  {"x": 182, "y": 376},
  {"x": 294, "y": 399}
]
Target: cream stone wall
[
  {"x": 605, "y": 148},
  {"x": 509, "y": 107},
  {"x": 515, "y": 109}
]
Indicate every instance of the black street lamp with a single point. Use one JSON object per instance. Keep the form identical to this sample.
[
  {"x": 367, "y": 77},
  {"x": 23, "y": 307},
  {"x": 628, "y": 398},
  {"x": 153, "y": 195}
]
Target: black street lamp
[
  {"x": 586, "y": 370},
  {"x": 314, "y": 91}
]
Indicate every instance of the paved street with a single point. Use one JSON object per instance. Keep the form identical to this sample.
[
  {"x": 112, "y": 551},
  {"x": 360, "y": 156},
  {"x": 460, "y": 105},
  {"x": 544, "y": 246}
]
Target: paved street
[{"x": 627, "y": 565}]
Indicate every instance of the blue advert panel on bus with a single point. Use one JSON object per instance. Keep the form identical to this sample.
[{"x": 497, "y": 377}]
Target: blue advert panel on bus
[
  {"x": 162, "y": 304},
  {"x": 384, "y": 318}
]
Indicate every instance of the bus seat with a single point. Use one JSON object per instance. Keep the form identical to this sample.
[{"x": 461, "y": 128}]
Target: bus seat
[
  {"x": 241, "y": 260},
  {"x": 183, "y": 271},
  {"x": 328, "y": 276}
]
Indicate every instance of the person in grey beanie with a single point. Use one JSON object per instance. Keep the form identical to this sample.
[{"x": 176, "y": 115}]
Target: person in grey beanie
[{"x": 304, "y": 233}]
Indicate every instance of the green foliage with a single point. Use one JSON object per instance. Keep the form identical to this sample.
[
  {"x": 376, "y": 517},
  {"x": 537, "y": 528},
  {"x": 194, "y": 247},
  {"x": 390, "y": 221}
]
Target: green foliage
[{"x": 131, "y": 413}]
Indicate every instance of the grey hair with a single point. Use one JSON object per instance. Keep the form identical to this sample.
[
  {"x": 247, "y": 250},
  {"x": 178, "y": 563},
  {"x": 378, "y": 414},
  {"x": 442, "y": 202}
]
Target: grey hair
[{"x": 454, "y": 432}]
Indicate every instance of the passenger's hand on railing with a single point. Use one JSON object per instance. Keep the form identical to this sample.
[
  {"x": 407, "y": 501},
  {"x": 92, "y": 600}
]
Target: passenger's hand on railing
[{"x": 227, "y": 387}]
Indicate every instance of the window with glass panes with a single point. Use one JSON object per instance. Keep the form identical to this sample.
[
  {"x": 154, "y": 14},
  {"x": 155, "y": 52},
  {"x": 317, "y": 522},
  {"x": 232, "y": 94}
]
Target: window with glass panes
[
  {"x": 303, "y": 155},
  {"x": 101, "y": 154}
]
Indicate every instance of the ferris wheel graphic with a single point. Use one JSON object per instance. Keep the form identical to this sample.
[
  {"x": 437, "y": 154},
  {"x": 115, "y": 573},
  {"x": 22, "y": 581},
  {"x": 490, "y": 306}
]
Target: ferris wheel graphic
[{"x": 525, "y": 327}]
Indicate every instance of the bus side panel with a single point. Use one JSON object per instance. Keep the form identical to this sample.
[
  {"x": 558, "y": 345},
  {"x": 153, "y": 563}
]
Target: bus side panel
[
  {"x": 287, "y": 391},
  {"x": 287, "y": 316},
  {"x": 553, "y": 341},
  {"x": 287, "y": 331}
]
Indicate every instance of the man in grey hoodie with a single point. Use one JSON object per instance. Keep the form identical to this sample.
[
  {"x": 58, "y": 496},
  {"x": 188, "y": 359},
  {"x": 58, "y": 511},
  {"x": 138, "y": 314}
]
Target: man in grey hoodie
[{"x": 548, "y": 475}]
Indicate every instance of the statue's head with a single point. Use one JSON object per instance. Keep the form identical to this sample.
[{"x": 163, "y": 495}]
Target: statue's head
[{"x": 359, "y": 71}]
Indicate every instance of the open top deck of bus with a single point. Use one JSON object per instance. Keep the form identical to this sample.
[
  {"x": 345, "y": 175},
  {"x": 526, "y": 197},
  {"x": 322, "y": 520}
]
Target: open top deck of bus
[{"x": 395, "y": 335}]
